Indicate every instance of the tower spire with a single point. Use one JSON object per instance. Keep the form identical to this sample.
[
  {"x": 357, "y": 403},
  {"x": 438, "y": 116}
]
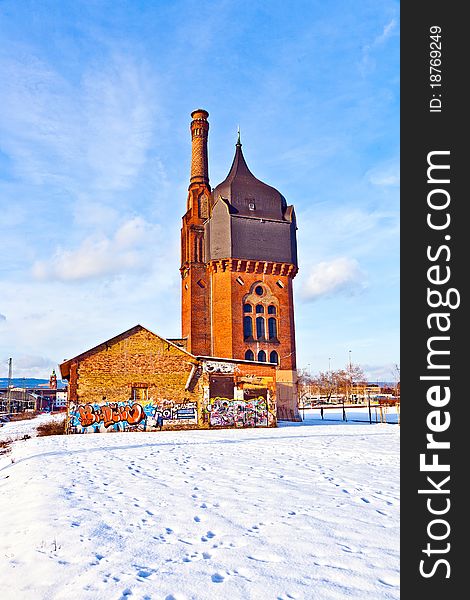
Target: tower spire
[
  {"x": 199, "y": 163},
  {"x": 238, "y": 136}
]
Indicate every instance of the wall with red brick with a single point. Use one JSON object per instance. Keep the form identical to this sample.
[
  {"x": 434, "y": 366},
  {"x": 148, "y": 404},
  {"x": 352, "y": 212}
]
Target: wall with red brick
[{"x": 227, "y": 300}]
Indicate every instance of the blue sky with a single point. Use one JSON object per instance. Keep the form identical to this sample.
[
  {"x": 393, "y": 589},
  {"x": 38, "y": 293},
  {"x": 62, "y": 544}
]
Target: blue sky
[{"x": 95, "y": 104}]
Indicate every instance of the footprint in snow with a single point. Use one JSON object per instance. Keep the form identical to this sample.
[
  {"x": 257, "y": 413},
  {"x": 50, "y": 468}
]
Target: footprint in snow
[
  {"x": 144, "y": 573},
  {"x": 265, "y": 557},
  {"x": 348, "y": 548},
  {"x": 390, "y": 581}
]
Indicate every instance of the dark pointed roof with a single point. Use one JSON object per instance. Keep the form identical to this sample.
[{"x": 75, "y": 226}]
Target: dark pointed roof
[{"x": 247, "y": 195}]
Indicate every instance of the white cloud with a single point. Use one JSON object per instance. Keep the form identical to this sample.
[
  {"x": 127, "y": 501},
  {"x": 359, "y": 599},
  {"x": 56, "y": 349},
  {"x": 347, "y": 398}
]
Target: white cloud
[
  {"x": 386, "y": 372},
  {"x": 98, "y": 255},
  {"x": 386, "y": 33},
  {"x": 385, "y": 175},
  {"x": 28, "y": 366},
  {"x": 92, "y": 134},
  {"x": 338, "y": 276},
  {"x": 367, "y": 62}
]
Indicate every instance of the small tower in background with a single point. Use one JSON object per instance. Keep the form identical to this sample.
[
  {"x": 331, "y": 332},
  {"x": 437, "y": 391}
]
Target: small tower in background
[{"x": 53, "y": 380}]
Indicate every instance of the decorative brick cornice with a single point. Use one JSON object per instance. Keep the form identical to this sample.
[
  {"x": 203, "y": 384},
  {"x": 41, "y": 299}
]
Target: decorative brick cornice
[{"x": 240, "y": 265}]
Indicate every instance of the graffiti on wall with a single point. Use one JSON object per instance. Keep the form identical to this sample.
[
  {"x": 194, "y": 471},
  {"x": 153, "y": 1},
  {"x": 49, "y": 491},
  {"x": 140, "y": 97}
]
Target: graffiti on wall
[
  {"x": 212, "y": 366},
  {"x": 224, "y": 412},
  {"x": 129, "y": 416},
  {"x": 109, "y": 414}
]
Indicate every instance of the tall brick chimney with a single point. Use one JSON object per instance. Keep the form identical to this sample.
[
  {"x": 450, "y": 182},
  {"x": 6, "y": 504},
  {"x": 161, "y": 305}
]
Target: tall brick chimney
[
  {"x": 194, "y": 279},
  {"x": 199, "y": 163}
]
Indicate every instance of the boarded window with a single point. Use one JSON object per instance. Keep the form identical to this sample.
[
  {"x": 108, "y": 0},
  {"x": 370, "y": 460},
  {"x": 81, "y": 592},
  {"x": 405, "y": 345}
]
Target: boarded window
[
  {"x": 139, "y": 394},
  {"x": 221, "y": 386}
]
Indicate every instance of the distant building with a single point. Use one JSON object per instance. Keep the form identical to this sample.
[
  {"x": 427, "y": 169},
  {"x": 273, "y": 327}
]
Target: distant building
[
  {"x": 364, "y": 390},
  {"x": 17, "y": 400}
]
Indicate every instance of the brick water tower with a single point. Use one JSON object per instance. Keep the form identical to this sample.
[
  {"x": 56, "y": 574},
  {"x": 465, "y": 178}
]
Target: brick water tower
[{"x": 238, "y": 262}]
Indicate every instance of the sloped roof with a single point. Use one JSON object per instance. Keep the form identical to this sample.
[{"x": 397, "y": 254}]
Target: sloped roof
[
  {"x": 242, "y": 189},
  {"x": 65, "y": 366}
]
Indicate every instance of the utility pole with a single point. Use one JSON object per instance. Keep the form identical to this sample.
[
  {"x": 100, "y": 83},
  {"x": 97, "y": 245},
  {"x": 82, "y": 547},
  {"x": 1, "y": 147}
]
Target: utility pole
[{"x": 9, "y": 385}]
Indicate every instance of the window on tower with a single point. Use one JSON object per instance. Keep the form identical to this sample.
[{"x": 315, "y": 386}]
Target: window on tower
[
  {"x": 247, "y": 327},
  {"x": 262, "y": 356},
  {"x": 249, "y": 355},
  {"x": 247, "y": 308},
  {"x": 271, "y": 310},
  {"x": 259, "y": 308},
  {"x": 260, "y": 330},
  {"x": 272, "y": 328},
  {"x": 274, "y": 357}
]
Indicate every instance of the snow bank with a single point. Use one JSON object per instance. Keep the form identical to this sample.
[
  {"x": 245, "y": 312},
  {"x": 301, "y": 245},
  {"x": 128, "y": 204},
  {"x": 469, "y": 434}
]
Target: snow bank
[
  {"x": 16, "y": 430},
  {"x": 305, "y": 511}
]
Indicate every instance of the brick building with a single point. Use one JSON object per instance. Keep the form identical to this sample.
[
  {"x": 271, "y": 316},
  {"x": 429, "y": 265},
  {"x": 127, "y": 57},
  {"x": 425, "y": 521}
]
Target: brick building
[
  {"x": 238, "y": 262},
  {"x": 235, "y": 363},
  {"x": 125, "y": 383}
]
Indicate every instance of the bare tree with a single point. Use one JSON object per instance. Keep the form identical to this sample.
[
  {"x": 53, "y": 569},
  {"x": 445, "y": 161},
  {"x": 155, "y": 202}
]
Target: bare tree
[
  {"x": 304, "y": 384},
  {"x": 396, "y": 376},
  {"x": 352, "y": 374}
]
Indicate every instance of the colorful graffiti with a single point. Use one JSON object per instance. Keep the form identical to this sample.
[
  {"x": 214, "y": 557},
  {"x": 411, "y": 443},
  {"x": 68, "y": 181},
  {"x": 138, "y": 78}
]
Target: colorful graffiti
[
  {"x": 224, "y": 412},
  {"x": 109, "y": 414},
  {"x": 129, "y": 416}
]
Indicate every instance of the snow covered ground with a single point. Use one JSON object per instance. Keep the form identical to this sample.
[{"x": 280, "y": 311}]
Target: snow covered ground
[
  {"x": 306, "y": 511},
  {"x": 16, "y": 430}
]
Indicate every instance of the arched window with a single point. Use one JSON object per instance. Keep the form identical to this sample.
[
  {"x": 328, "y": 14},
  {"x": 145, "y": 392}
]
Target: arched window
[
  {"x": 272, "y": 328},
  {"x": 259, "y": 308},
  {"x": 247, "y": 308},
  {"x": 247, "y": 327},
  {"x": 262, "y": 356},
  {"x": 271, "y": 310},
  {"x": 260, "y": 331},
  {"x": 249, "y": 355},
  {"x": 274, "y": 357}
]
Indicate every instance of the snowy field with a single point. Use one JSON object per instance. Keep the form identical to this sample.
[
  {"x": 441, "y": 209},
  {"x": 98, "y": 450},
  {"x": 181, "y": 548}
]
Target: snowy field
[
  {"x": 16, "y": 430},
  {"x": 306, "y": 511}
]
